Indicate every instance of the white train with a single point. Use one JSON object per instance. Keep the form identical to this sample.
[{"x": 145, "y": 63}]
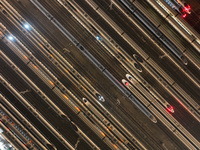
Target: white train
[
  {"x": 48, "y": 48},
  {"x": 35, "y": 112},
  {"x": 148, "y": 95},
  {"x": 145, "y": 102},
  {"x": 129, "y": 142},
  {"x": 84, "y": 117},
  {"x": 41, "y": 94},
  {"x": 27, "y": 136},
  {"x": 173, "y": 125},
  {"x": 170, "y": 85},
  {"x": 51, "y": 85},
  {"x": 31, "y": 128},
  {"x": 123, "y": 59},
  {"x": 14, "y": 140}
]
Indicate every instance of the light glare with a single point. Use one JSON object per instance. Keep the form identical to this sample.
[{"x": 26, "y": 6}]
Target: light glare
[
  {"x": 98, "y": 37},
  {"x": 27, "y": 26},
  {"x": 10, "y": 37}
]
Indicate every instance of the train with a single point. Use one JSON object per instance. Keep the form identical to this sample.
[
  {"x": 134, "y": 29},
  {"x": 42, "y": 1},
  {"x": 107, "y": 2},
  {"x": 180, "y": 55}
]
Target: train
[
  {"x": 170, "y": 85},
  {"x": 139, "y": 96},
  {"x": 129, "y": 141},
  {"x": 41, "y": 137},
  {"x": 46, "y": 79},
  {"x": 122, "y": 58},
  {"x": 49, "y": 50},
  {"x": 133, "y": 81},
  {"x": 180, "y": 6},
  {"x": 35, "y": 112},
  {"x": 155, "y": 31},
  {"x": 21, "y": 133},
  {"x": 173, "y": 125},
  {"x": 85, "y": 52},
  {"x": 13, "y": 139},
  {"x": 41, "y": 94}
]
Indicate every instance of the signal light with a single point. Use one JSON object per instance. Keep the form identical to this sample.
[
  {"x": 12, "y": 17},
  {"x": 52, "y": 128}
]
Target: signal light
[
  {"x": 184, "y": 15},
  {"x": 187, "y": 9},
  {"x": 170, "y": 109},
  {"x": 27, "y": 26}
]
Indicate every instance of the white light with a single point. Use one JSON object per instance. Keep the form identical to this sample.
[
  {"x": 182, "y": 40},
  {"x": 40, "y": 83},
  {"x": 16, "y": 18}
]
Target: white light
[
  {"x": 98, "y": 37},
  {"x": 10, "y": 37},
  {"x": 27, "y": 26}
]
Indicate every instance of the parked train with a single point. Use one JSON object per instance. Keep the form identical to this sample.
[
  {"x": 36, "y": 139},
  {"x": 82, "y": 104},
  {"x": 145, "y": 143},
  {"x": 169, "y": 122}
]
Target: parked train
[
  {"x": 49, "y": 79},
  {"x": 156, "y": 32},
  {"x": 180, "y": 6},
  {"x": 171, "y": 123},
  {"x": 163, "y": 102},
  {"x": 86, "y": 53},
  {"x": 35, "y": 112},
  {"x": 170, "y": 85},
  {"x": 41, "y": 137},
  {"x": 127, "y": 139}
]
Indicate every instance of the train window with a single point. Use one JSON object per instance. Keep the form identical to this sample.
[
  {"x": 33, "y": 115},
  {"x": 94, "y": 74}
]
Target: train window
[
  {"x": 81, "y": 47},
  {"x": 137, "y": 66},
  {"x": 84, "y": 100}
]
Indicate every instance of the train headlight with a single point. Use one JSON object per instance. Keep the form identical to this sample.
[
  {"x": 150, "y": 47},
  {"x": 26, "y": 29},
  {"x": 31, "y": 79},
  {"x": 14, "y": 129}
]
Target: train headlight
[
  {"x": 11, "y": 38},
  {"x": 27, "y": 26}
]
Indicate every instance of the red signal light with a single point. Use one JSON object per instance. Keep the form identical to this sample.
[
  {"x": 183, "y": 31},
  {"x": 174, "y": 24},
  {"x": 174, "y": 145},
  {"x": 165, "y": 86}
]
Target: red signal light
[
  {"x": 184, "y": 15},
  {"x": 170, "y": 109},
  {"x": 187, "y": 9}
]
